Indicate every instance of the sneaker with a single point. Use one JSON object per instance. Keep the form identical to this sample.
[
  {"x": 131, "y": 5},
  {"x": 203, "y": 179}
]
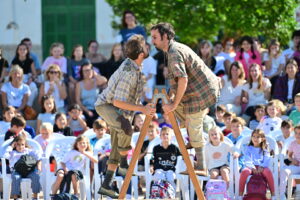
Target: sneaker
[{"x": 108, "y": 192}]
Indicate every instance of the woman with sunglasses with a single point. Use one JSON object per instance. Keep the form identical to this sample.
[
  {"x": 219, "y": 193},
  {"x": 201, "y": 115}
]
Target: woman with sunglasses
[
  {"x": 54, "y": 86},
  {"x": 87, "y": 90}
]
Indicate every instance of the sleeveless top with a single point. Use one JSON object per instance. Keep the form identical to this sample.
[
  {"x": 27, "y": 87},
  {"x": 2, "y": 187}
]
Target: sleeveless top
[
  {"x": 59, "y": 103},
  {"x": 89, "y": 97}
]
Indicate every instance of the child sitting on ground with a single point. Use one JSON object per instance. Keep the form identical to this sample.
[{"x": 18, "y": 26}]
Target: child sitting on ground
[{"x": 165, "y": 158}]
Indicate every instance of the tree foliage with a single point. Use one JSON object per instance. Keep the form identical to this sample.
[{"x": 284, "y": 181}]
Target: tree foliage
[{"x": 195, "y": 19}]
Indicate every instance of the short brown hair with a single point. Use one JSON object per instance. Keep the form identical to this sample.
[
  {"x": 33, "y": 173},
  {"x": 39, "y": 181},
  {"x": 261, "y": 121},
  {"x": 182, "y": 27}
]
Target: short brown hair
[
  {"x": 164, "y": 28},
  {"x": 18, "y": 121},
  {"x": 166, "y": 129},
  {"x": 221, "y": 108},
  {"x": 134, "y": 46},
  {"x": 238, "y": 120},
  {"x": 287, "y": 123},
  {"x": 99, "y": 124},
  {"x": 229, "y": 114},
  {"x": 297, "y": 127}
]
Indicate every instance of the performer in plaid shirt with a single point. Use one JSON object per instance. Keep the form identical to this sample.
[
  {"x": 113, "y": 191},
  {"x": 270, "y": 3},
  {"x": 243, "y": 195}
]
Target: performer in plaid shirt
[
  {"x": 194, "y": 87},
  {"x": 116, "y": 105}
]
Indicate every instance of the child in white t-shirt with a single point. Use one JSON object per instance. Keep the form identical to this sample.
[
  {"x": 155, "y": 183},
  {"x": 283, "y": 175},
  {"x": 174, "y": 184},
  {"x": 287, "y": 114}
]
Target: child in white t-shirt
[
  {"x": 286, "y": 130},
  {"x": 72, "y": 166},
  {"x": 270, "y": 122},
  {"x": 216, "y": 154}
]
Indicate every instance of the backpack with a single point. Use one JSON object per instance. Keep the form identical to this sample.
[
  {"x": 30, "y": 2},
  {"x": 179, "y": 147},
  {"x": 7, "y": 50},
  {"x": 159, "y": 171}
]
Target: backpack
[
  {"x": 256, "y": 188},
  {"x": 216, "y": 190},
  {"x": 162, "y": 190},
  {"x": 25, "y": 165},
  {"x": 64, "y": 196}
]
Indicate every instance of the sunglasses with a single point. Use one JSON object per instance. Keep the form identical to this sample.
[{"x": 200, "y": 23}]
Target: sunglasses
[{"x": 54, "y": 72}]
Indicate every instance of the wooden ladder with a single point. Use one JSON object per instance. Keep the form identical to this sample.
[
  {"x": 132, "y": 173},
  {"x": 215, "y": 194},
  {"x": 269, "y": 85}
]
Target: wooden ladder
[{"x": 164, "y": 97}]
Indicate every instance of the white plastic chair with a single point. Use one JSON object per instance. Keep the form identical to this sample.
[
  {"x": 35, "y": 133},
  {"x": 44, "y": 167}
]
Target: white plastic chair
[
  {"x": 58, "y": 148},
  {"x": 231, "y": 174},
  {"x": 291, "y": 176},
  {"x": 99, "y": 147},
  {"x": 273, "y": 164},
  {"x": 26, "y": 190}
]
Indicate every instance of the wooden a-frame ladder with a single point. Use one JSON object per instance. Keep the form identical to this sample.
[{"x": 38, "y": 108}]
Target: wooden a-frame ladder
[{"x": 137, "y": 150}]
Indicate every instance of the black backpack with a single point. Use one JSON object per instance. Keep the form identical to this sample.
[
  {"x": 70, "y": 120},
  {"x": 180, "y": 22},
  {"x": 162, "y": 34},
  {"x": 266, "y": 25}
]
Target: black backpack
[{"x": 25, "y": 165}]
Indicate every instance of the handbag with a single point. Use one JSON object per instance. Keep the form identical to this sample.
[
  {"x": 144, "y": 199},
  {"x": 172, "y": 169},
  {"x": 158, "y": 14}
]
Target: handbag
[{"x": 29, "y": 113}]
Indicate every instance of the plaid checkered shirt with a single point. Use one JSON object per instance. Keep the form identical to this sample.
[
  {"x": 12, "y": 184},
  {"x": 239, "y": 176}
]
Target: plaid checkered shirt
[
  {"x": 126, "y": 85},
  {"x": 203, "y": 86}
]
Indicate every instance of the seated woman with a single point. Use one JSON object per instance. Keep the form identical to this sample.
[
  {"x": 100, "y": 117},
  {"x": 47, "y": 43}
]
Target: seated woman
[
  {"x": 288, "y": 85},
  {"x": 257, "y": 90},
  {"x": 54, "y": 86},
  {"x": 15, "y": 93},
  {"x": 232, "y": 88},
  {"x": 87, "y": 90}
]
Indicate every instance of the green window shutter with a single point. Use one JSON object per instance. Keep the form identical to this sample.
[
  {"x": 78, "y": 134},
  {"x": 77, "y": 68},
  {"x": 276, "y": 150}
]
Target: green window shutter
[{"x": 70, "y": 22}]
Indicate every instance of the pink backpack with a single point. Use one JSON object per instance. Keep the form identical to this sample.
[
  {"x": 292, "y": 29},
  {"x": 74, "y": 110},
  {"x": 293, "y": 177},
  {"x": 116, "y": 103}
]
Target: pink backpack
[
  {"x": 256, "y": 188},
  {"x": 216, "y": 190}
]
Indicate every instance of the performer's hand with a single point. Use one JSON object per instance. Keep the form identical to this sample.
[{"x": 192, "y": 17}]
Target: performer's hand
[
  {"x": 149, "y": 109},
  {"x": 169, "y": 108}
]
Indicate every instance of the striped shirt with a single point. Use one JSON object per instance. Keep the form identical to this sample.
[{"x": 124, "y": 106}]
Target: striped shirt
[
  {"x": 203, "y": 86},
  {"x": 125, "y": 85}
]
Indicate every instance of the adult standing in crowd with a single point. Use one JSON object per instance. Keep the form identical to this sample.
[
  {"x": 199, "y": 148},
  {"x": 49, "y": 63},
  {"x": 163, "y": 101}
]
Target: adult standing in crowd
[
  {"x": 130, "y": 26},
  {"x": 194, "y": 87}
]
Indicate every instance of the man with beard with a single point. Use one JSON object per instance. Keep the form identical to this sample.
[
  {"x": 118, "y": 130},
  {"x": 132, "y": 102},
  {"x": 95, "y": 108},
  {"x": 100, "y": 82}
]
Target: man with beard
[
  {"x": 193, "y": 87},
  {"x": 117, "y": 104}
]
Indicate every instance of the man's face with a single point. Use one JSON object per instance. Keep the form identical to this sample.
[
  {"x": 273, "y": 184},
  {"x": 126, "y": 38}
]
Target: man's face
[{"x": 156, "y": 39}]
